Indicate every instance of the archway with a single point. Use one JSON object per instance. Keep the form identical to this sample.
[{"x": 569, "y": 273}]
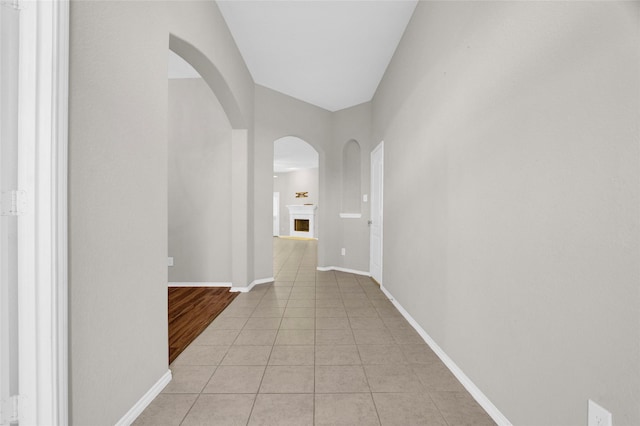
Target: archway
[
  {"x": 242, "y": 243},
  {"x": 199, "y": 169},
  {"x": 212, "y": 76},
  {"x": 296, "y": 181},
  {"x": 203, "y": 163}
]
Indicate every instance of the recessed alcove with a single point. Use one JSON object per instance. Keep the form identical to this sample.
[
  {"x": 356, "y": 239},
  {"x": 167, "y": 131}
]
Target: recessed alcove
[{"x": 351, "y": 182}]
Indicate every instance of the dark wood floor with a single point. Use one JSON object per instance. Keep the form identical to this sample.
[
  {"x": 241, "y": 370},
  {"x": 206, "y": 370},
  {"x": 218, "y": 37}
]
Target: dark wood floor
[{"x": 191, "y": 310}]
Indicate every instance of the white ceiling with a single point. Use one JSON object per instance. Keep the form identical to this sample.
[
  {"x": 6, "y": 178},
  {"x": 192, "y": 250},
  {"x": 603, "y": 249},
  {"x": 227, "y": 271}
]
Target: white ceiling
[
  {"x": 332, "y": 54},
  {"x": 291, "y": 153}
]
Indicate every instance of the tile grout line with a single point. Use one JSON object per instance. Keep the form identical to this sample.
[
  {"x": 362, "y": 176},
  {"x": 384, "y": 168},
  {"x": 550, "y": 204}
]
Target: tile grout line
[
  {"x": 255, "y": 398},
  {"x": 189, "y": 410},
  {"x": 315, "y": 344},
  {"x": 342, "y": 283}
]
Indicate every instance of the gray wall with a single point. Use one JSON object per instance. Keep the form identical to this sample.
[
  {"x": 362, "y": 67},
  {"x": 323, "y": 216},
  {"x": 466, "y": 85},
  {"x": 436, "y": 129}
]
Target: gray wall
[
  {"x": 118, "y": 191},
  {"x": 511, "y": 199},
  {"x": 199, "y": 190},
  {"x": 351, "y": 234},
  {"x": 117, "y": 208},
  {"x": 351, "y": 178},
  {"x": 278, "y": 115},
  {"x": 287, "y": 184}
]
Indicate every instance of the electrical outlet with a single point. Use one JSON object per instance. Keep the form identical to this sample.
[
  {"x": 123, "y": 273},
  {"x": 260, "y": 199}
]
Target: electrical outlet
[
  {"x": 343, "y": 251},
  {"x": 170, "y": 261},
  {"x": 598, "y": 416},
  {"x": 365, "y": 198}
]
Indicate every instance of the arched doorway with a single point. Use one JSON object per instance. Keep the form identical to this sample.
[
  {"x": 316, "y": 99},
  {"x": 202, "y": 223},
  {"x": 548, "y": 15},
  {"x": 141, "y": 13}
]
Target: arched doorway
[
  {"x": 200, "y": 208},
  {"x": 199, "y": 169},
  {"x": 241, "y": 241},
  {"x": 296, "y": 186}
]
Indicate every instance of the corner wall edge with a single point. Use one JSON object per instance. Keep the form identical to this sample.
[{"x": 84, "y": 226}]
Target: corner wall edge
[{"x": 250, "y": 286}]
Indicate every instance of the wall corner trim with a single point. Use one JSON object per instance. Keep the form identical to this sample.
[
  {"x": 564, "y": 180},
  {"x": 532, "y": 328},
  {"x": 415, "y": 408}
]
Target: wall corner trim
[
  {"x": 350, "y": 215},
  {"x": 253, "y": 284},
  {"x": 341, "y": 269},
  {"x": 146, "y": 399},
  {"x": 200, "y": 284},
  {"x": 475, "y": 392}
]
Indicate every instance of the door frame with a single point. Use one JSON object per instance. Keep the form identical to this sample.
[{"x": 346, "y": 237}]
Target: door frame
[
  {"x": 276, "y": 214},
  {"x": 43, "y": 88},
  {"x": 377, "y": 150}
]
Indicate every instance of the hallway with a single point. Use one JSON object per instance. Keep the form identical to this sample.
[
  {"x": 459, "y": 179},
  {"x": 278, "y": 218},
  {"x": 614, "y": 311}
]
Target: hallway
[{"x": 323, "y": 348}]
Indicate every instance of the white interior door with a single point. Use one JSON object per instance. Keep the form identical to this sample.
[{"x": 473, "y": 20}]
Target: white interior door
[
  {"x": 276, "y": 214},
  {"x": 375, "y": 223},
  {"x": 9, "y": 29},
  {"x": 33, "y": 153}
]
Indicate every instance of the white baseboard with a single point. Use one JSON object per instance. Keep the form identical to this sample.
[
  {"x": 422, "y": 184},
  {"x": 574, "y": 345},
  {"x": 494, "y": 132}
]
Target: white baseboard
[
  {"x": 253, "y": 284},
  {"x": 200, "y": 284},
  {"x": 146, "y": 399},
  {"x": 341, "y": 269},
  {"x": 475, "y": 392}
]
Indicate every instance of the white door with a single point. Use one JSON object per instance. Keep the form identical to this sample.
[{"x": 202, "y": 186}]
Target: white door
[
  {"x": 375, "y": 223},
  {"x": 276, "y": 214},
  {"x": 9, "y": 385},
  {"x": 33, "y": 295}
]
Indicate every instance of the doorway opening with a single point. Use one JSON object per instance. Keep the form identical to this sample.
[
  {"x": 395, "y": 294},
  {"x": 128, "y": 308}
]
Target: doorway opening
[
  {"x": 296, "y": 181},
  {"x": 376, "y": 222},
  {"x": 199, "y": 205}
]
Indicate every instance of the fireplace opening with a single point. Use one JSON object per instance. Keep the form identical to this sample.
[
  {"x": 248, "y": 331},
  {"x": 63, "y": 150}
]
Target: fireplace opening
[{"x": 301, "y": 225}]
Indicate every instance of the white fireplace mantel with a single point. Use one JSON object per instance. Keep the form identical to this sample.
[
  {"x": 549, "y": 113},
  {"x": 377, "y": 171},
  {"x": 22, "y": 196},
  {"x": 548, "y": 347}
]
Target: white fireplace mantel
[{"x": 303, "y": 213}]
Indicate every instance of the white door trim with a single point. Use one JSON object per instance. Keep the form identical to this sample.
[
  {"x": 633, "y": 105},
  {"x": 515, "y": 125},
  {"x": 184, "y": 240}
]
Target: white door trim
[
  {"x": 42, "y": 231},
  {"x": 61, "y": 152},
  {"x": 276, "y": 214},
  {"x": 374, "y": 273}
]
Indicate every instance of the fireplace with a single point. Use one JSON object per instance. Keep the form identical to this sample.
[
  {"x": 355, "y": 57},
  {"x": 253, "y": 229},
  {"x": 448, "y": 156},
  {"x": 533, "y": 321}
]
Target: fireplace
[
  {"x": 301, "y": 225},
  {"x": 302, "y": 220}
]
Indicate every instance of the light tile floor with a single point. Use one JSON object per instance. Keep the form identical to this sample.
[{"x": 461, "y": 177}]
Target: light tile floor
[{"x": 313, "y": 348}]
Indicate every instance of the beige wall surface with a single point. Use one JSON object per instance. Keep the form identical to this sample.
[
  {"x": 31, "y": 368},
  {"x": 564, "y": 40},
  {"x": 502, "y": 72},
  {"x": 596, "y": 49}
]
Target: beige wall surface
[
  {"x": 118, "y": 191},
  {"x": 351, "y": 234},
  {"x": 512, "y": 201},
  {"x": 199, "y": 190},
  {"x": 117, "y": 207}
]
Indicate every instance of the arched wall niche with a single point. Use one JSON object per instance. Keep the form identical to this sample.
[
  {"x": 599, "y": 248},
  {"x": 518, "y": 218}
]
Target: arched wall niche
[{"x": 351, "y": 178}]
